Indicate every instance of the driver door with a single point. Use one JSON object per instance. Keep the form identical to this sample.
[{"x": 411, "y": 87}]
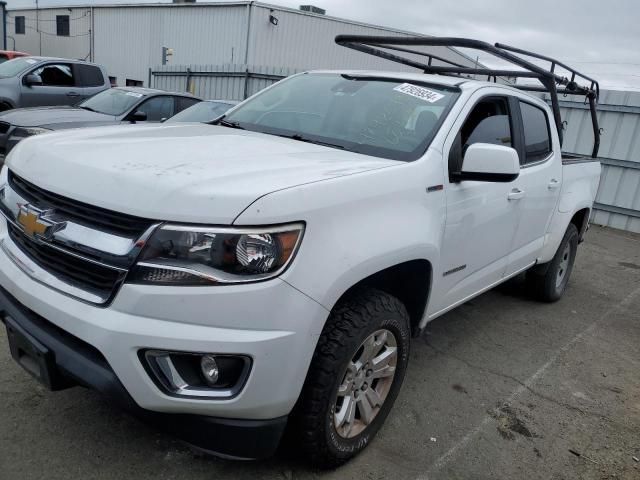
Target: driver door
[
  {"x": 481, "y": 220},
  {"x": 58, "y": 86}
]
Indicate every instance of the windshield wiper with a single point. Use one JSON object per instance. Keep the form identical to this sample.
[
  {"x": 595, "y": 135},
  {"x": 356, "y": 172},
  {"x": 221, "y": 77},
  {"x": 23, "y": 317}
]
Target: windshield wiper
[
  {"x": 300, "y": 138},
  {"x": 87, "y": 108},
  {"x": 227, "y": 123}
]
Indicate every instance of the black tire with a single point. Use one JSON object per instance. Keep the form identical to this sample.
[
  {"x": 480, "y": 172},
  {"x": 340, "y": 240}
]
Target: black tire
[
  {"x": 543, "y": 280},
  {"x": 351, "y": 322}
]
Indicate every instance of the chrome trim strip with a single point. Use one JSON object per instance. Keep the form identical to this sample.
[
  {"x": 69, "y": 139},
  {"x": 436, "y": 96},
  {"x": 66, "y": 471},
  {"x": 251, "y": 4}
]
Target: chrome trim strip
[
  {"x": 235, "y": 230},
  {"x": 537, "y": 162}
]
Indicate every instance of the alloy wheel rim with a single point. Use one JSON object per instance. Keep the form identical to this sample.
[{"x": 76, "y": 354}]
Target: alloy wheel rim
[
  {"x": 563, "y": 266},
  {"x": 366, "y": 384}
]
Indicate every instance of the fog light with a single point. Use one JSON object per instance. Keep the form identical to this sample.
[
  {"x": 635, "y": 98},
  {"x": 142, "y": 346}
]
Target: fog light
[
  {"x": 210, "y": 370},
  {"x": 197, "y": 375}
]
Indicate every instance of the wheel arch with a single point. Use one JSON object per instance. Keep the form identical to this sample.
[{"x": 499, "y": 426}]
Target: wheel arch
[
  {"x": 581, "y": 220},
  {"x": 5, "y": 105},
  {"x": 409, "y": 281},
  {"x": 579, "y": 216}
]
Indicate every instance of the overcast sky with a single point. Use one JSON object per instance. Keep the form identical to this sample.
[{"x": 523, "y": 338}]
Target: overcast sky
[{"x": 600, "y": 38}]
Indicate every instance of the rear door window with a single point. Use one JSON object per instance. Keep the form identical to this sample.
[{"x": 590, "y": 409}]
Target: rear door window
[
  {"x": 185, "y": 102},
  {"x": 537, "y": 139},
  {"x": 89, "y": 75}
]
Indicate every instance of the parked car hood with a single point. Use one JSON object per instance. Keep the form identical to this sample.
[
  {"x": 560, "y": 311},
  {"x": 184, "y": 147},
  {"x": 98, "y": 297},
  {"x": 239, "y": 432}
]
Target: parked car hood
[
  {"x": 183, "y": 172},
  {"x": 52, "y": 117}
]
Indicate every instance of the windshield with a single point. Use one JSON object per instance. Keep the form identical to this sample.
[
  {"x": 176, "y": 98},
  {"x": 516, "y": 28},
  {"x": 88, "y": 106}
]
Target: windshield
[
  {"x": 201, "y": 112},
  {"x": 11, "y": 68},
  {"x": 380, "y": 117},
  {"x": 113, "y": 101}
]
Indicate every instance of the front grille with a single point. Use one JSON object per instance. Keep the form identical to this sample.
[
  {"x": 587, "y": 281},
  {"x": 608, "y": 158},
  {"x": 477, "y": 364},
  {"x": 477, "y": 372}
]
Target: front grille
[
  {"x": 81, "y": 273},
  {"x": 94, "y": 217},
  {"x": 4, "y": 127}
]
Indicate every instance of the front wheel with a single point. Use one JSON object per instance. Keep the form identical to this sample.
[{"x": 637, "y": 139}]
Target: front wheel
[
  {"x": 354, "y": 378},
  {"x": 548, "y": 282}
]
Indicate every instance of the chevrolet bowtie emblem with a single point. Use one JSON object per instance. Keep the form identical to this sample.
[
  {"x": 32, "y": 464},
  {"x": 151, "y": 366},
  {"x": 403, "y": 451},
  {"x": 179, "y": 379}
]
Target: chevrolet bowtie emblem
[{"x": 34, "y": 222}]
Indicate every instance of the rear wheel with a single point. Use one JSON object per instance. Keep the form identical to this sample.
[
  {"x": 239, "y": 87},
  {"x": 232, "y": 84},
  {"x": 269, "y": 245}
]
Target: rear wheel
[
  {"x": 355, "y": 375},
  {"x": 549, "y": 282}
]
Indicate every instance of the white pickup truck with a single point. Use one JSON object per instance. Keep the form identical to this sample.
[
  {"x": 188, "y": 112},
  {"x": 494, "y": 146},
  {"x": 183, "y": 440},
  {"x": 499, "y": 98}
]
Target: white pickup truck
[{"x": 232, "y": 282}]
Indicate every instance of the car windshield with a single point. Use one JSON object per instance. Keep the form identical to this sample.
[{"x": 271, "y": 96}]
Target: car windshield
[
  {"x": 11, "y": 68},
  {"x": 375, "y": 116},
  {"x": 114, "y": 101},
  {"x": 201, "y": 112}
]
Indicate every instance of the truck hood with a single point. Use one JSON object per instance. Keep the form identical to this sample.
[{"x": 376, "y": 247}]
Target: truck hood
[
  {"x": 50, "y": 117},
  {"x": 184, "y": 172}
]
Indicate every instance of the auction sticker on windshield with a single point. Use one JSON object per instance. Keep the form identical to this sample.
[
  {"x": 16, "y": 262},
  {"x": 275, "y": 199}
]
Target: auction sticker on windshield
[{"x": 419, "y": 92}]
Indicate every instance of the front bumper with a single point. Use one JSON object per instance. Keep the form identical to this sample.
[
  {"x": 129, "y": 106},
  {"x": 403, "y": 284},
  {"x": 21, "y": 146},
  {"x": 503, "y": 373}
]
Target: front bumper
[
  {"x": 271, "y": 322},
  {"x": 79, "y": 363}
]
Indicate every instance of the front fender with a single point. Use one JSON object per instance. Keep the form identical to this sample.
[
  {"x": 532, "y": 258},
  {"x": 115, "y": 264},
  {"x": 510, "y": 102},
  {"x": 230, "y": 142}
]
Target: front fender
[
  {"x": 7, "y": 101},
  {"x": 357, "y": 225}
]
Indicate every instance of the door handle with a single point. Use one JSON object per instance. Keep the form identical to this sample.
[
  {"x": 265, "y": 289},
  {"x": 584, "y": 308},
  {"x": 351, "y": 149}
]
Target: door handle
[
  {"x": 553, "y": 184},
  {"x": 73, "y": 94},
  {"x": 515, "y": 194}
]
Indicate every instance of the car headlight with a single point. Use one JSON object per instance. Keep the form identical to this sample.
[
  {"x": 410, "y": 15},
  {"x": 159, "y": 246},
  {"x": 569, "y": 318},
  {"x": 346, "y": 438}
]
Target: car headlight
[
  {"x": 22, "y": 132},
  {"x": 192, "y": 255}
]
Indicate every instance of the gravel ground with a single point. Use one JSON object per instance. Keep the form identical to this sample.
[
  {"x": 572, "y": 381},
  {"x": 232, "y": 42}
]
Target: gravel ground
[{"x": 502, "y": 387}]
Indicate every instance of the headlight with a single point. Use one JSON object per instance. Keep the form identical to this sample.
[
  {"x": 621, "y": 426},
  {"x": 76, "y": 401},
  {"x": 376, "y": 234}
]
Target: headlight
[
  {"x": 191, "y": 255},
  {"x": 22, "y": 132}
]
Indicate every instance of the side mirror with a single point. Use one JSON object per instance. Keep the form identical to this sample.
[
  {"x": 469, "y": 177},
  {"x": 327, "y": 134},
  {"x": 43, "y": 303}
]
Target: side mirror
[
  {"x": 32, "y": 79},
  {"x": 139, "y": 116},
  {"x": 486, "y": 162}
]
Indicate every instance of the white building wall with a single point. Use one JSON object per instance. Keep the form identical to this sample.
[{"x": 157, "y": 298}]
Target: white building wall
[{"x": 40, "y": 37}]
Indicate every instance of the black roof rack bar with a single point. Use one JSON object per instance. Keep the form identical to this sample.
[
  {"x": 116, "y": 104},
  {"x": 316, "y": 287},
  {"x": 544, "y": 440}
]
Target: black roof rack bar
[
  {"x": 594, "y": 84},
  {"x": 430, "y": 56},
  {"x": 547, "y": 77}
]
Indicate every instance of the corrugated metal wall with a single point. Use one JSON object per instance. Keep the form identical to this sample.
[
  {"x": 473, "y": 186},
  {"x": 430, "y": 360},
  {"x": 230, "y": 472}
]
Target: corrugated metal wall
[
  {"x": 618, "y": 199},
  {"x": 130, "y": 40},
  {"x": 305, "y": 41},
  {"x": 40, "y": 36}
]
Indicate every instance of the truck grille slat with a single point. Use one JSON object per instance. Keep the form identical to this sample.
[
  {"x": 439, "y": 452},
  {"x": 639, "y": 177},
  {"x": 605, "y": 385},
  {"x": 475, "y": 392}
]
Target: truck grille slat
[
  {"x": 89, "y": 215},
  {"x": 76, "y": 271}
]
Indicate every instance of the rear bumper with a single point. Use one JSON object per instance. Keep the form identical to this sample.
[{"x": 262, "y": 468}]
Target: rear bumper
[{"x": 79, "y": 363}]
